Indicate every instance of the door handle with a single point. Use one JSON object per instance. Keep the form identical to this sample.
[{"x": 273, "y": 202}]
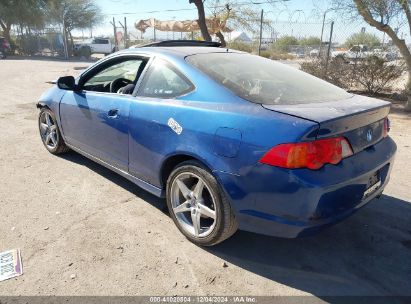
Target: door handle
[{"x": 112, "y": 113}]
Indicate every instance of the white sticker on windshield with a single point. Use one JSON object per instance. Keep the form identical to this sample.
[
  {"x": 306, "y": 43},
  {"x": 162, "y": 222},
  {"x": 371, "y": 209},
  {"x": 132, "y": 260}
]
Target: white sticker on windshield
[{"x": 175, "y": 126}]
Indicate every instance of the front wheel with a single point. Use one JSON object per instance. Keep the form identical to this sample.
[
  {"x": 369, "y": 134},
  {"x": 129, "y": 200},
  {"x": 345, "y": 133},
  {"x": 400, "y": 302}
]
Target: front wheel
[
  {"x": 197, "y": 205},
  {"x": 50, "y": 133}
]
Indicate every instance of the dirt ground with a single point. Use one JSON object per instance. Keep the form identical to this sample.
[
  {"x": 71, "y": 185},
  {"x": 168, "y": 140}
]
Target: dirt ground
[{"x": 84, "y": 230}]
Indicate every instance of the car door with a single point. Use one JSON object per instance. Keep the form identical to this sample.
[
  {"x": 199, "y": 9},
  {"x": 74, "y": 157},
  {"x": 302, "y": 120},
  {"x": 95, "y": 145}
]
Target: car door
[
  {"x": 95, "y": 119},
  {"x": 151, "y": 130},
  {"x": 99, "y": 46}
]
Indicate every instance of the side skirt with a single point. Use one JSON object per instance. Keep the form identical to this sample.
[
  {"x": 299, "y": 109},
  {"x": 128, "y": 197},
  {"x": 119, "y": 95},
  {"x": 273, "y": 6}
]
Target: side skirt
[{"x": 139, "y": 182}]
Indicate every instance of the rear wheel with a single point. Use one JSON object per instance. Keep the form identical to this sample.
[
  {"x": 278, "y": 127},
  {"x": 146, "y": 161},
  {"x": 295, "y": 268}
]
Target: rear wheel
[
  {"x": 198, "y": 206},
  {"x": 50, "y": 133}
]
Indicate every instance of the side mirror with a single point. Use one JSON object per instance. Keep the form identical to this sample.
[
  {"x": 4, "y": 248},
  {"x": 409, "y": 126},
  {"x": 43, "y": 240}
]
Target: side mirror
[{"x": 67, "y": 83}]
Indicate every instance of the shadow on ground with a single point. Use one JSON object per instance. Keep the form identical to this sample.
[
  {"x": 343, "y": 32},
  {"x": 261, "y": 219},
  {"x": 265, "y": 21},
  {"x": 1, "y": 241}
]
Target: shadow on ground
[
  {"x": 367, "y": 254},
  {"x": 117, "y": 179}
]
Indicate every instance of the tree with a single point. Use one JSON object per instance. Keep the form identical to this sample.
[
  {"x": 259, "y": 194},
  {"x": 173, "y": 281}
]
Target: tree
[
  {"x": 283, "y": 44},
  {"x": 74, "y": 14},
  {"x": 381, "y": 14},
  {"x": 309, "y": 41},
  {"x": 222, "y": 15},
  {"x": 201, "y": 19},
  {"x": 29, "y": 13},
  {"x": 363, "y": 38},
  {"x": 234, "y": 13}
]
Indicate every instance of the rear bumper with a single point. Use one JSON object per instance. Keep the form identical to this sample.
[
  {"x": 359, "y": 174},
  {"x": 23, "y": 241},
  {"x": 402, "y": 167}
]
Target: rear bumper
[{"x": 293, "y": 203}]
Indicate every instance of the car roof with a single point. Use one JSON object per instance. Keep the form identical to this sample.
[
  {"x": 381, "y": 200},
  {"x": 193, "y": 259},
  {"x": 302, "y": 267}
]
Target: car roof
[{"x": 178, "y": 51}]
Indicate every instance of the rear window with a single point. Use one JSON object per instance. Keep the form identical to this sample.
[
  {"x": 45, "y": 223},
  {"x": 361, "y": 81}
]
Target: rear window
[{"x": 265, "y": 81}]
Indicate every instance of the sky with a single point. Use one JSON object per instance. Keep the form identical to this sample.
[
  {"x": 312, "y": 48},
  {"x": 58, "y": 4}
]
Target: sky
[
  {"x": 301, "y": 18},
  {"x": 135, "y": 10}
]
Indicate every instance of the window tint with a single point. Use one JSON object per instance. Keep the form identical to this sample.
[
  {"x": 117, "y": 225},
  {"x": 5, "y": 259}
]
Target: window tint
[
  {"x": 126, "y": 69},
  {"x": 265, "y": 81},
  {"x": 164, "y": 81}
]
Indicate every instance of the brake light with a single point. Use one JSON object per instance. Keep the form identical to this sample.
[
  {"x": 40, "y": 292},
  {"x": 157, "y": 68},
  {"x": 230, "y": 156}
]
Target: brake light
[
  {"x": 387, "y": 126},
  {"x": 311, "y": 155}
]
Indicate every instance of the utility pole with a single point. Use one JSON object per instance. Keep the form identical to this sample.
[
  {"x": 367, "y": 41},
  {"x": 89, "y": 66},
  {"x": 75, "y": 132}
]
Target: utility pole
[
  {"x": 125, "y": 33},
  {"x": 322, "y": 30},
  {"x": 261, "y": 31},
  {"x": 115, "y": 34},
  {"x": 329, "y": 46},
  {"x": 321, "y": 37},
  {"x": 65, "y": 37}
]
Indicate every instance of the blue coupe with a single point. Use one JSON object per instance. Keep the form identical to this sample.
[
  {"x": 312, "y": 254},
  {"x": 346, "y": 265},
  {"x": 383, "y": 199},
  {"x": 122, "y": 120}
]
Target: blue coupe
[{"x": 231, "y": 140}]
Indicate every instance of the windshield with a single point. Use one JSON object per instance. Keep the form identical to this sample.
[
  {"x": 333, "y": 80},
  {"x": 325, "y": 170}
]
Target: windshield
[{"x": 265, "y": 81}]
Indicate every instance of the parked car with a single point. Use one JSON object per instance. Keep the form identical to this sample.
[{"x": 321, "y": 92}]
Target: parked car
[
  {"x": 385, "y": 54},
  {"x": 4, "y": 47},
  {"x": 297, "y": 54},
  {"x": 232, "y": 140},
  {"x": 94, "y": 46},
  {"x": 359, "y": 52},
  {"x": 315, "y": 53}
]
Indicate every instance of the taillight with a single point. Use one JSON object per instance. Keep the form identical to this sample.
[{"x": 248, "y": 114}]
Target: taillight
[
  {"x": 311, "y": 155},
  {"x": 387, "y": 127}
]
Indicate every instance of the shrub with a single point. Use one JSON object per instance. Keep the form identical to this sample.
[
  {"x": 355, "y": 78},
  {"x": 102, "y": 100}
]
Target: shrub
[
  {"x": 265, "y": 54},
  {"x": 284, "y": 43},
  {"x": 338, "y": 71},
  {"x": 375, "y": 74},
  {"x": 28, "y": 45},
  {"x": 240, "y": 46},
  {"x": 372, "y": 75},
  {"x": 280, "y": 56},
  {"x": 362, "y": 38}
]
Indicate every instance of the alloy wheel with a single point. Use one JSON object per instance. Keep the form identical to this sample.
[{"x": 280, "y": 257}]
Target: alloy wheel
[
  {"x": 48, "y": 130},
  {"x": 193, "y": 204}
]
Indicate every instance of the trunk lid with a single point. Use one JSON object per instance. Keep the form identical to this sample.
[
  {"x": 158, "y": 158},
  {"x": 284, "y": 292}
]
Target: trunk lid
[{"x": 360, "y": 119}]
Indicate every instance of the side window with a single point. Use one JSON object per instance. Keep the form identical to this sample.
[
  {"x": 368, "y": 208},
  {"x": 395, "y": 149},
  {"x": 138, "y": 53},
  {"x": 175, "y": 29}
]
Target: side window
[
  {"x": 101, "y": 41},
  {"x": 116, "y": 76},
  {"x": 164, "y": 81}
]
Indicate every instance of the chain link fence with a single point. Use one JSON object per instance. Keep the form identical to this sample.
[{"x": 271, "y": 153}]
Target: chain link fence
[{"x": 298, "y": 40}]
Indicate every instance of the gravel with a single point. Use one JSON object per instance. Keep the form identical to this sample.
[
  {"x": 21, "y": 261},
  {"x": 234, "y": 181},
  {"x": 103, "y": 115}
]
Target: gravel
[{"x": 99, "y": 210}]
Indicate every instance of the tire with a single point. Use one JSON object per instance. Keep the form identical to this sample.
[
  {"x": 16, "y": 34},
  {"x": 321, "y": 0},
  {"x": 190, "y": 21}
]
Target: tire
[
  {"x": 50, "y": 133},
  {"x": 186, "y": 208}
]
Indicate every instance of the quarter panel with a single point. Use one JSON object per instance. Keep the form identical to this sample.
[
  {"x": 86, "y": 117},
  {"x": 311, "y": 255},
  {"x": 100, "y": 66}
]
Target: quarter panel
[{"x": 152, "y": 141}]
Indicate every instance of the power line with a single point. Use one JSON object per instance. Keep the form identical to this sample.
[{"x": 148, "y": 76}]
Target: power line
[{"x": 192, "y": 9}]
